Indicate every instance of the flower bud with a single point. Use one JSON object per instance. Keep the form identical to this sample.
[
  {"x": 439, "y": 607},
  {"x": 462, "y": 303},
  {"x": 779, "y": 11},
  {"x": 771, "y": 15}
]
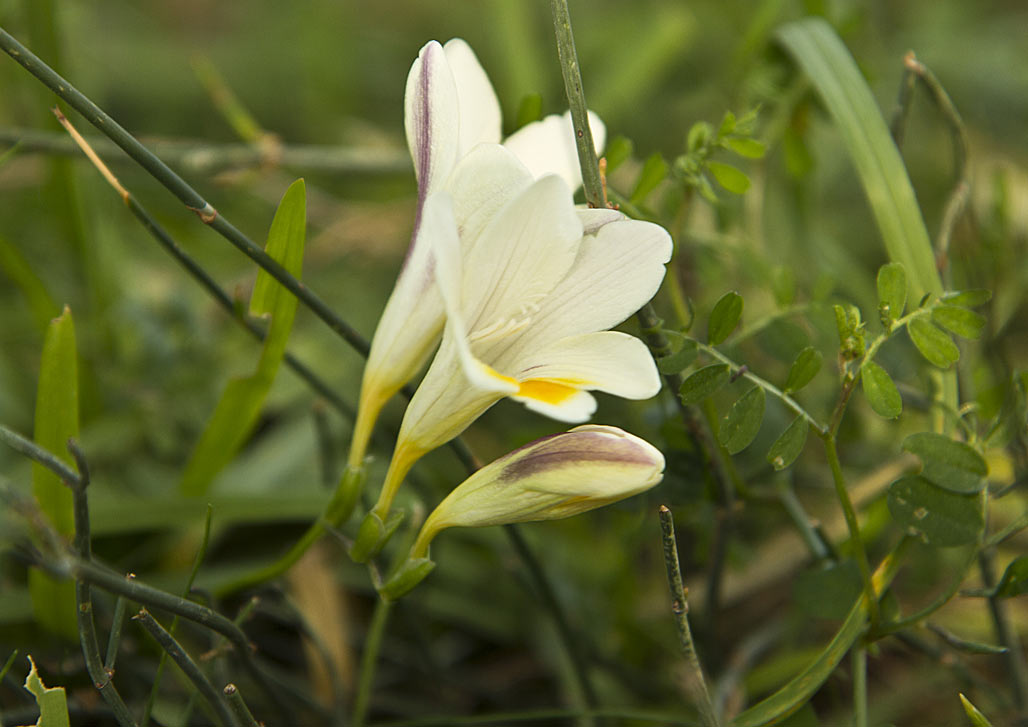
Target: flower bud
[{"x": 553, "y": 477}]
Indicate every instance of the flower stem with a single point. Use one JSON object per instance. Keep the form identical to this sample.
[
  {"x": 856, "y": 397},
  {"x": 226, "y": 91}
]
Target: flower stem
[
  {"x": 369, "y": 658},
  {"x": 859, "y": 665},
  {"x": 591, "y": 182},
  {"x": 695, "y": 684}
]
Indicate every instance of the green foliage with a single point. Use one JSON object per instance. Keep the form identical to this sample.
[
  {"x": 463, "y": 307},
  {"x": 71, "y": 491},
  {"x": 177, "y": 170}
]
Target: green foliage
[
  {"x": 976, "y": 718},
  {"x": 939, "y": 517},
  {"x": 57, "y": 421},
  {"x": 741, "y": 424},
  {"x": 804, "y": 369},
  {"x": 680, "y": 359},
  {"x": 236, "y": 413},
  {"x": 892, "y": 292},
  {"x": 52, "y": 701},
  {"x": 934, "y": 344},
  {"x": 881, "y": 391},
  {"x": 789, "y": 444},
  {"x": 724, "y": 317},
  {"x": 703, "y": 383},
  {"x": 952, "y": 465},
  {"x": 1015, "y": 579}
]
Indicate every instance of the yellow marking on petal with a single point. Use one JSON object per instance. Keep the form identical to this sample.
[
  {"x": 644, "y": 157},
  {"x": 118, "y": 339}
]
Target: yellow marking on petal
[
  {"x": 494, "y": 374},
  {"x": 548, "y": 392}
]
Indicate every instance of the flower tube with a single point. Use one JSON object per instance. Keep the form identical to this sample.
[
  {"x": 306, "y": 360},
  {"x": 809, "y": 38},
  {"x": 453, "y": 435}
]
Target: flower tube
[
  {"x": 553, "y": 477},
  {"x": 450, "y": 109}
]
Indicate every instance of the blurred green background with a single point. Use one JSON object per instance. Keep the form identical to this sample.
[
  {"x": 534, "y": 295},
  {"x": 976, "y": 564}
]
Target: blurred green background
[{"x": 156, "y": 353}]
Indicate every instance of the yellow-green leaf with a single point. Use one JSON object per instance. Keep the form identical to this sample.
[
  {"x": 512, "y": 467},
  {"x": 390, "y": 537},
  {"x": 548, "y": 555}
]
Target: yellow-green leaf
[
  {"x": 702, "y": 383},
  {"x": 240, "y": 405},
  {"x": 933, "y": 343},
  {"x": 732, "y": 179},
  {"x": 892, "y": 291},
  {"x": 977, "y": 718},
  {"x": 789, "y": 444},
  {"x": 742, "y": 422},
  {"x": 724, "y": 317},
  {"x": 804, "y": 368},
  {"x": 57, "y": 421},
  {"x": 52, "y": 701},
  {"x": 940, "y": 517},
  {"x": 961, "y": 321}
]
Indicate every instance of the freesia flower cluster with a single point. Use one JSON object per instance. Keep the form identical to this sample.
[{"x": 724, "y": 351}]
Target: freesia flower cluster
[{"x": 515, "y": 289}]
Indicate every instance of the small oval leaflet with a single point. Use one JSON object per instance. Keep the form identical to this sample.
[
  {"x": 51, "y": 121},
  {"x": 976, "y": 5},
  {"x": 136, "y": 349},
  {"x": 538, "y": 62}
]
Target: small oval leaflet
[
  {"x": 789, "y": 444},
  {"x": 724, "y": 317},
  {"x": 742, "y": 422},
  {"x": 746, "y": 147},
  {"x": 703, "y": 383},
  {"x": 892, "y": 290},
  {"x": 933, "y": 343},
  {"x": 881, "y": 392},
  {"x": 968, "y": 298},
  {"x": 940, "y": 517},
  {"x": 804, "y": 369},
  {"x": 732, "y": 179},
  {"x": 952, "y": 465},
  {"x": 678, "y": 360},
  {"x": 961, "y": 321}
]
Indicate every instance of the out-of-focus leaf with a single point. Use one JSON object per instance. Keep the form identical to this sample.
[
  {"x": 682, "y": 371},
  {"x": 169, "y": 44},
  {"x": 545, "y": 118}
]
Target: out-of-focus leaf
[
  {"x": 828, "y": 592},
  {"x": 881, "y": 391},
  {"x": 1015, "y": 579},
  {"x": 933, "y": 343},
  {"x": 783, "y": 285},
  {"x": 804, "y": 369},
  {"x": 961, "y": 321},
  {"x": 619, "y": 149},
  {"x": 14, "y": 265},
  {"x": 530, "y": 109},
  {"x": 57, "y": 421},
  {"x": 240, "y": 405},
  {"x": 729, "y": 177},
  {"x": 745, "y": 147},
  {"x": 52, "y": 701},
  {"x": 892, "y": 290},
  {"x": 742, "y": 422},
  {"x": 724, "y": 317},
  {"x": 940, "y": 517},
  {"x": 701, "y": 384},
  {"x": 950, "y": 464},
  {"x": 789, "y": 444},
  {"x": 654, "y": 172}
]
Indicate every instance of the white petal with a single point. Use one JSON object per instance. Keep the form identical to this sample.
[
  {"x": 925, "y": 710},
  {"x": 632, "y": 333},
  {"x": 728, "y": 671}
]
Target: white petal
[
  {"x": 616, "y": 272},
  {"x": 609, "y": 361},
  {"x": 438, "y": 216},
  {"x": 485, "y": 180},
  {"x": 480, "y": 119},
  {"x": 548, "y": 146},
  {"x": 593, "y": 218},
  {"x": 577, "y": 407},
  {"x": 431, "y": 118},
  {"x": 527, "y": 248}
]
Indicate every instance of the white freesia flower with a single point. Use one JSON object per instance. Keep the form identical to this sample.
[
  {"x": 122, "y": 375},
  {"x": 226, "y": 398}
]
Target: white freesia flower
[
  {"x": 450, "y": 109},
  {"x": 529, "y": 298},
  {"x": 553, "y": 477}
]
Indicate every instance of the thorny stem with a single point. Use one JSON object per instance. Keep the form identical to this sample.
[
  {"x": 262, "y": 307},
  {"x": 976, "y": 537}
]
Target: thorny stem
[{"x": 696, "y": 685}]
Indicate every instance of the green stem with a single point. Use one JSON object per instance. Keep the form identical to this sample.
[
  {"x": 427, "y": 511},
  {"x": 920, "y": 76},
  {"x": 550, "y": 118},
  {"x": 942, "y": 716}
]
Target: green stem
[
  {"x": 859, "y": 551},
  {"x": 178, "y": 187},
  {"x": 568, "y": 56},
  {"x": 695, "y": 684},
  {"x": 185, "y": 662},
  {"x": 1005, "y": 634},
  {"x": 770, "y": 388},
  {"x": 859, "y": 668},
  {"x": 199, "y": 157},
  {"x": 369, "y": 659}
]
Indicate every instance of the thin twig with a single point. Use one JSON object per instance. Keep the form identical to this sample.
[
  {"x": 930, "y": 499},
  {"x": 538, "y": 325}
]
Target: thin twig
[
  {"x": 235, "y": 702},
  {"x": 84, "y": 598},
  {"x": 201, "y": 157},
  {"x": 695, "y": 684},
  {"x": 216, "y": 700},
  {"x": 38, "y": 454},
  {"x": 1005, "y": 634},
  {"x": 859, "y": 667}
]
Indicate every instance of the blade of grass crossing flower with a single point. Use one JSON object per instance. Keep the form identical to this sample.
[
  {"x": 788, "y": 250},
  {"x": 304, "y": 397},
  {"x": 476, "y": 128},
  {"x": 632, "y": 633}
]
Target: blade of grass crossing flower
[
  {"x": 57, "y": 421},
  {"x": 802, "y": 687},
  {"x": 825, "y": 60},
  {"x": 240, "y": 404}
]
